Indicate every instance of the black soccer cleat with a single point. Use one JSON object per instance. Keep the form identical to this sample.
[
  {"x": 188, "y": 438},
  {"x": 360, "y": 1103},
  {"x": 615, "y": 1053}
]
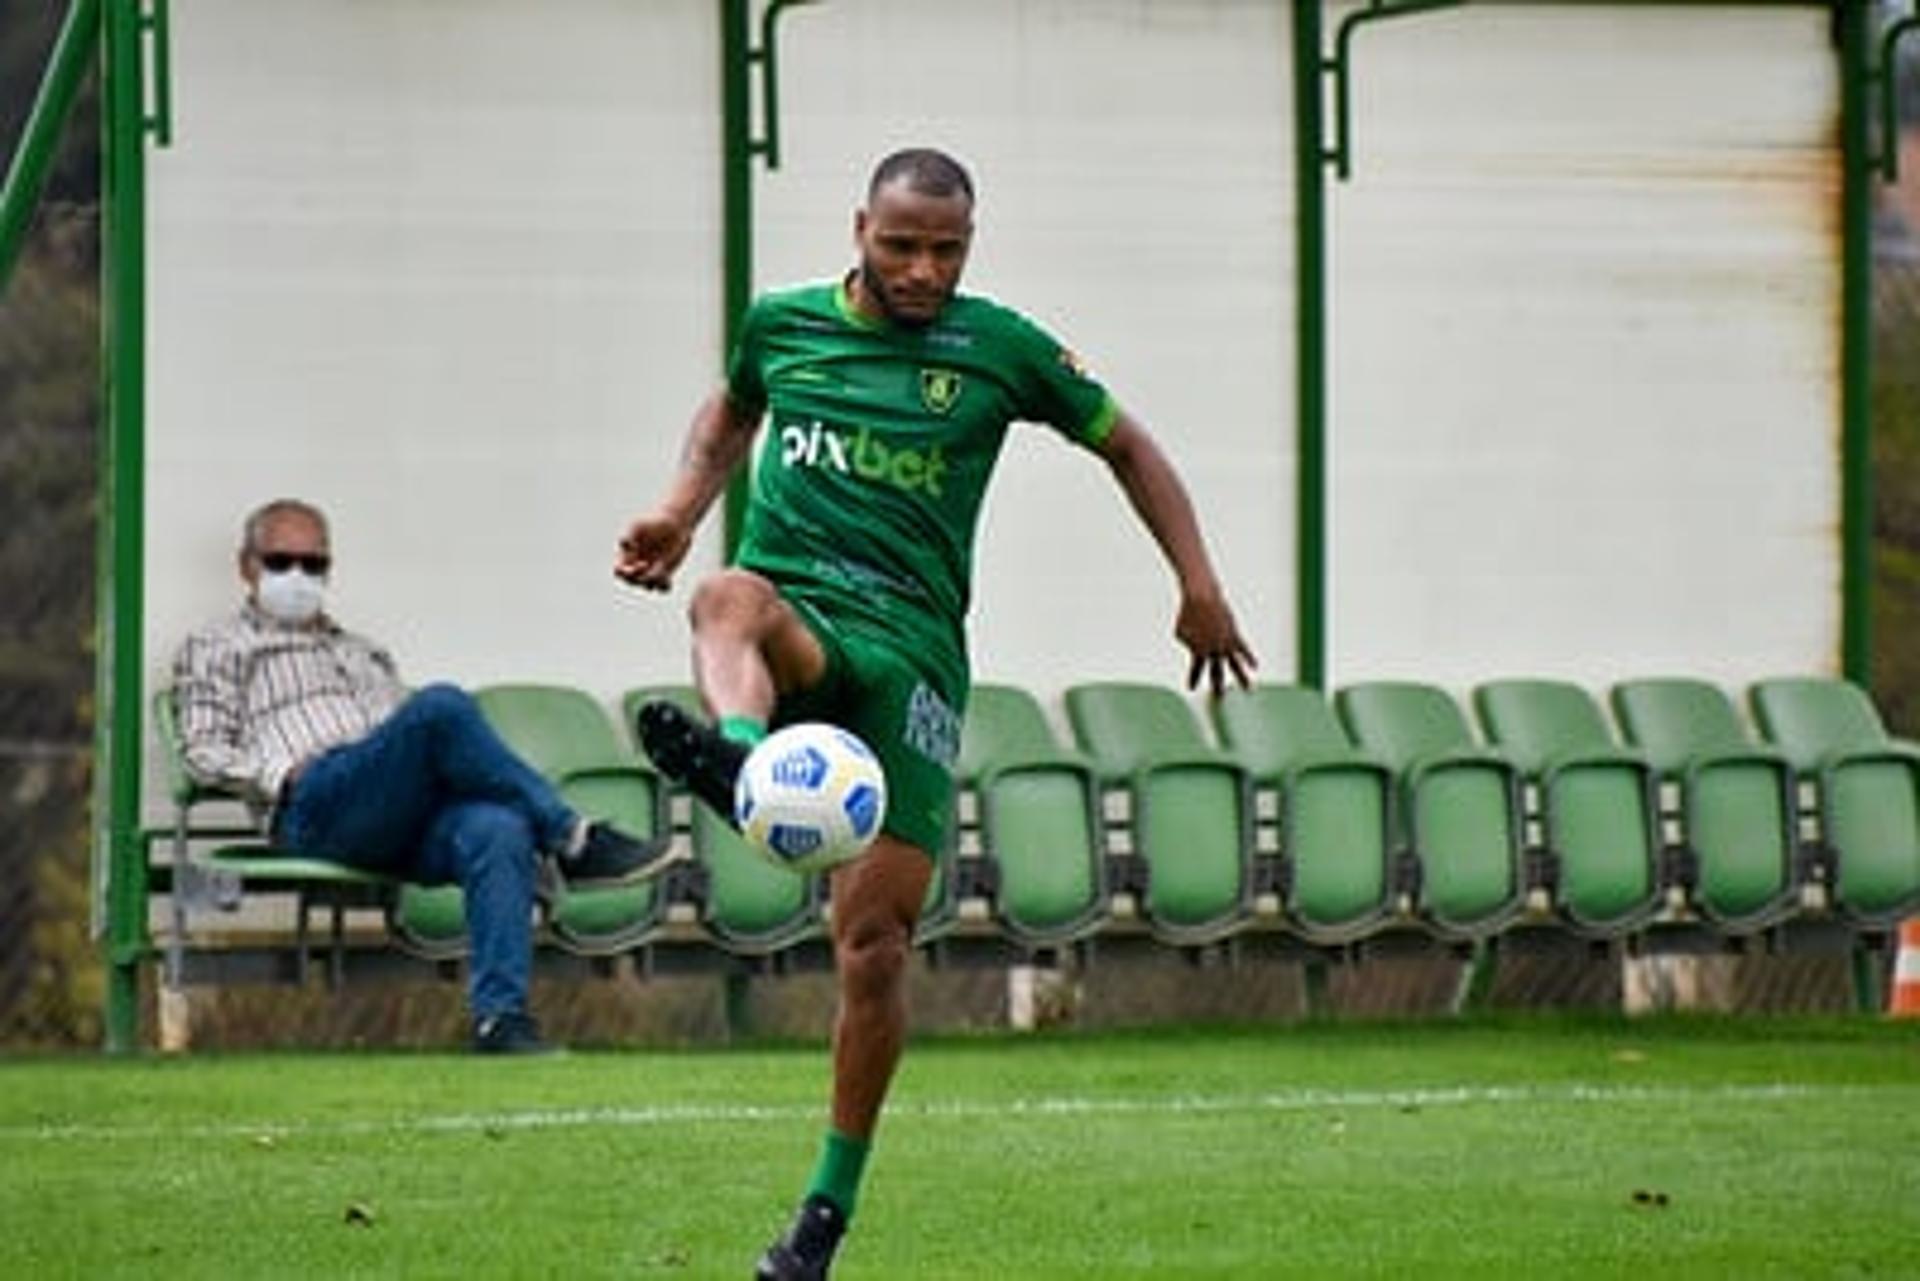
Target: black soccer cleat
[
  {"x": 805, "y": 1253},
  {"x": 610, "y": 857},
  {"x": 692, "y": 754}
]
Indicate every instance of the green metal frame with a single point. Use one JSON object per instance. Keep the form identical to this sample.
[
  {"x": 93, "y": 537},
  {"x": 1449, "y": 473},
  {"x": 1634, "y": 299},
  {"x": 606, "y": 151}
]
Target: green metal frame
[
  {"x": 1312, "y": 155},
  {"x": 131, "y": 34},
  {"x": 130, "y": 37},
  {"x": 1882, "y": 74},
  {"x": 1340, "y": 68},
  {"x": 127, "y": 38},
  {"x": 1854, "y": 38}
]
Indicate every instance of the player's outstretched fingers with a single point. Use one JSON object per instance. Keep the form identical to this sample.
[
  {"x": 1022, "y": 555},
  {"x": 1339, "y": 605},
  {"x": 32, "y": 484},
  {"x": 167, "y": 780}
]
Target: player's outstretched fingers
[{"x": 1240, "y": 658}]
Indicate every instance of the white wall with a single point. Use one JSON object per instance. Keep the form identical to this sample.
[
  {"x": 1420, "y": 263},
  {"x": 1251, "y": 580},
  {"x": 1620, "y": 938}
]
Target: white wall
[
  {"x": 449, "y": 268},
  {"x": 1586, "y": 346}
]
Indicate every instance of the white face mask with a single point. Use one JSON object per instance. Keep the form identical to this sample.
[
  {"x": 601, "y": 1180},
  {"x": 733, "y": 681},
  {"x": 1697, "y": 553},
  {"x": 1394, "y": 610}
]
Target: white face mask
[{"x": 292, "y": 597}]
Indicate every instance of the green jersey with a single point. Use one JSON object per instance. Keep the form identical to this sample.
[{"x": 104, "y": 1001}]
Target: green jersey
[{"x": 879, "y": 443}]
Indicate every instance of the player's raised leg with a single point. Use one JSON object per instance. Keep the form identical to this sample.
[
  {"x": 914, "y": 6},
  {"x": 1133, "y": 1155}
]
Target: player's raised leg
[
  {"x": 749, "y": 646},
  {"x": 876, "y": 902}
]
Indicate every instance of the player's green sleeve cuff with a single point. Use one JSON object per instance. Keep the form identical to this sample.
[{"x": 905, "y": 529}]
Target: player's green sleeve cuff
[{"x": 1101, "y": 425}]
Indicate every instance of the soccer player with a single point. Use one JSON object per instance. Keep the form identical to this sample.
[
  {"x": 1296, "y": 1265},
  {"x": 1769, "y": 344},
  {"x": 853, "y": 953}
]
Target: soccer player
[{"x": 887, "y": 395}]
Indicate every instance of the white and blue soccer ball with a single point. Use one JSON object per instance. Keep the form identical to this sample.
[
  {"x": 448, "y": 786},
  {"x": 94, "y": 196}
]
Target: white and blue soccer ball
[{"x": 810, "y": 796}]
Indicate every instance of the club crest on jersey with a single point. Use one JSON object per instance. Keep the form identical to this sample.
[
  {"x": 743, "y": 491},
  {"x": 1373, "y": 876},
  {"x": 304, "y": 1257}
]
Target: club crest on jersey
[{"x": 939, "y": 390}]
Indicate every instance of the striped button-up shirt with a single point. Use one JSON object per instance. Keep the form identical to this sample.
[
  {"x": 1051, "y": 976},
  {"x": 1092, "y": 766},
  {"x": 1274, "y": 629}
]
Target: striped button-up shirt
[{"x": 256, "y": 698}]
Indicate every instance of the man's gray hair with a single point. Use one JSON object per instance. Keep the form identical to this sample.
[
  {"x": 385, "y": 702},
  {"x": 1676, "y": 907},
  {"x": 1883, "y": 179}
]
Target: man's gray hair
[{"x": 257, "y": 520}]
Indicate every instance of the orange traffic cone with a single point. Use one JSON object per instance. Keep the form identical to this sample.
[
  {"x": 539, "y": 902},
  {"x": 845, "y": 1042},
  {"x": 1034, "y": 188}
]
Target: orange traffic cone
[{"x": 1905, "y": 1002}]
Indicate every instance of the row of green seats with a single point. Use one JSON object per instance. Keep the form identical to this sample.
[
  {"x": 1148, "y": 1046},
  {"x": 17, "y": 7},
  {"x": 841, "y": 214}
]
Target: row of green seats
[
  {"x": 1388, "y": 809},
  {"x": 1330, "y": 819},
  {"x": 1143, "y": 811}
]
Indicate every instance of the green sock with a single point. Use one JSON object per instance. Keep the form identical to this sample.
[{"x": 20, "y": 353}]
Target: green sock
[
  {"x": 743, "y": 729},
  {"x": 837, "y": 1176}
]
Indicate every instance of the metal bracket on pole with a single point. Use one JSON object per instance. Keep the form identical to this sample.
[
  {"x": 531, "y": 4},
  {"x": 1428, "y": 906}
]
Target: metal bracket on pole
[
  {"x": 1340, "y": 68},
  {"x": 1883, "y": 73},
  {"x": 767, "y": 57},
  {"x": 155, "y": 29}
]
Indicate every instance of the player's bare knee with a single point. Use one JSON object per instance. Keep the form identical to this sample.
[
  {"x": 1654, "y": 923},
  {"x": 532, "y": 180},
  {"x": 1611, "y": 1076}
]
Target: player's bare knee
[{"x": 732, "y": 600}]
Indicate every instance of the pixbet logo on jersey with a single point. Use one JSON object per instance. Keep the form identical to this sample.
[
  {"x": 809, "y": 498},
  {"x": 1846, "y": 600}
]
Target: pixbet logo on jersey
[{"x": 861, "y": 453}]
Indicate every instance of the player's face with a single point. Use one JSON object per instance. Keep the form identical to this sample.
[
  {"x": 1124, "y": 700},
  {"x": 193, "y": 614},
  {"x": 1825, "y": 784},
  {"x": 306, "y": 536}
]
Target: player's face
[{"x": 912, "y": 249}]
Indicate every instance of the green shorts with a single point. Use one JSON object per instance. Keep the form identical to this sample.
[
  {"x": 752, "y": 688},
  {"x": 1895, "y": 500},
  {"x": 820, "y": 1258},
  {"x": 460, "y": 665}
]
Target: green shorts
[{"x": 906, "y": 713}]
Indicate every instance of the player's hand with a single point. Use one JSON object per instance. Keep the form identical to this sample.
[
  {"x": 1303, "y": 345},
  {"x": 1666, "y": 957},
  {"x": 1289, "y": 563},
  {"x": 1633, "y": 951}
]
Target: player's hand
[
  {"x": 650, "y": 550},
  {"x": 1207, "y": 629}
]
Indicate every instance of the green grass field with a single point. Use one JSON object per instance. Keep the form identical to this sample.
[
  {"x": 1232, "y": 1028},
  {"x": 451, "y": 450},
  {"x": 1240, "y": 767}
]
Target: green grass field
[{"x": 1523, "y": 1148}]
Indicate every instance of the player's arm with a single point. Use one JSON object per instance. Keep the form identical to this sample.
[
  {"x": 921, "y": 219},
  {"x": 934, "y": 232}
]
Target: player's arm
[
  {"x": 717, "y": 442},
  {"x": 1205, "y": 624}
]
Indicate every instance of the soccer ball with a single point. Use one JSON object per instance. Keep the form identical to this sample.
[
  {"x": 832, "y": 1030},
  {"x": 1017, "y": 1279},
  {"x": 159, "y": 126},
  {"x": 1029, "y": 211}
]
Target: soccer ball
[{"x": 810, "y": 796}]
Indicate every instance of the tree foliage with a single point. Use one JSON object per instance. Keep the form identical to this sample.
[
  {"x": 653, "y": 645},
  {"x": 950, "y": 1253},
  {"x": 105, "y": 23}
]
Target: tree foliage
[
  {"x": 27, "y": 35},
  {"x": 1896, "y": 489},
  {"x": 50, "y": 970}
]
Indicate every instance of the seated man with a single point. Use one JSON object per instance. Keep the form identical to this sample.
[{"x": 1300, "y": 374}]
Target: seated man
[{"x": 311, "y": 726}]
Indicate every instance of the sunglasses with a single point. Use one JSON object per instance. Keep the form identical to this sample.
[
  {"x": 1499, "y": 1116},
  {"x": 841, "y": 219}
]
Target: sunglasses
[{"x": 315, "y": 563}]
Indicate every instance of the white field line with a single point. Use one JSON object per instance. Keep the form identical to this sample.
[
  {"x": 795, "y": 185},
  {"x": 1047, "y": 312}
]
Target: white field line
[{"x": 1043, "y": 1107}]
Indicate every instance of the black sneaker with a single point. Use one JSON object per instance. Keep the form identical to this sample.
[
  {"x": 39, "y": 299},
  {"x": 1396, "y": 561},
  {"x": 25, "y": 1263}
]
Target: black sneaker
[
  {"x": 805, "y": 1253},
  {"x": 692, "y": 754},
  {"x": 608, "y": 857},
  {"x": 513, "y": 1032}
]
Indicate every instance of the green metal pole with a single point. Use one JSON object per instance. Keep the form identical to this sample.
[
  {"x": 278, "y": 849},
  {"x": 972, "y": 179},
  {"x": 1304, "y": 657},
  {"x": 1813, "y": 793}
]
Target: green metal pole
[
  {"x": 1316, "y": 982},
  {"x": 1856, "y": 345},
  {"x": 737, "y": 214},
  {"x": 1869, "y": 986},
  {"x": 736, "y": 144},
  {"x": 1310, "y": 338},
  {"x": 122, "y": 520},
  {"x": 73, "y": 53},
  {"x": 736, "y": 996}
]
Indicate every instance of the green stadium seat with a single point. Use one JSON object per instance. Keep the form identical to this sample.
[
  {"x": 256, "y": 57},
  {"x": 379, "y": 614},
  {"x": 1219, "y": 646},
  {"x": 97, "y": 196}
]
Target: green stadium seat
[
  {"x": 1459, "y": 810},
  {"x": 214, "y": 864},
  {"x": 1867, "y": 787},
  {"x": 1190, "y": 806},
  {"x": 751, "y": 907},
  {"x": 1598, "y": 807},
  {"x": 1039, "y": 816},
  {"x": 568, "y": 736},
  {"x": 1334, "y": 808},
  {"x": 1737, "y": 811},
  {"x": 429, "y": 921}
]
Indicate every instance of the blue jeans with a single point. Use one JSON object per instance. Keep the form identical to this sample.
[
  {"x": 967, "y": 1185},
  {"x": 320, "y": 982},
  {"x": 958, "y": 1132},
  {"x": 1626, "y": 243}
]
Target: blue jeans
[{"x": 433, "y": 796}]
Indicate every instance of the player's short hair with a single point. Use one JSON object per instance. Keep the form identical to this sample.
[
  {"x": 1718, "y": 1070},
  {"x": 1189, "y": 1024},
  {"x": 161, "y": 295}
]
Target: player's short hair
[
  {"x": 925, "y": 170},
  {"x": 257, "y": 520}
]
